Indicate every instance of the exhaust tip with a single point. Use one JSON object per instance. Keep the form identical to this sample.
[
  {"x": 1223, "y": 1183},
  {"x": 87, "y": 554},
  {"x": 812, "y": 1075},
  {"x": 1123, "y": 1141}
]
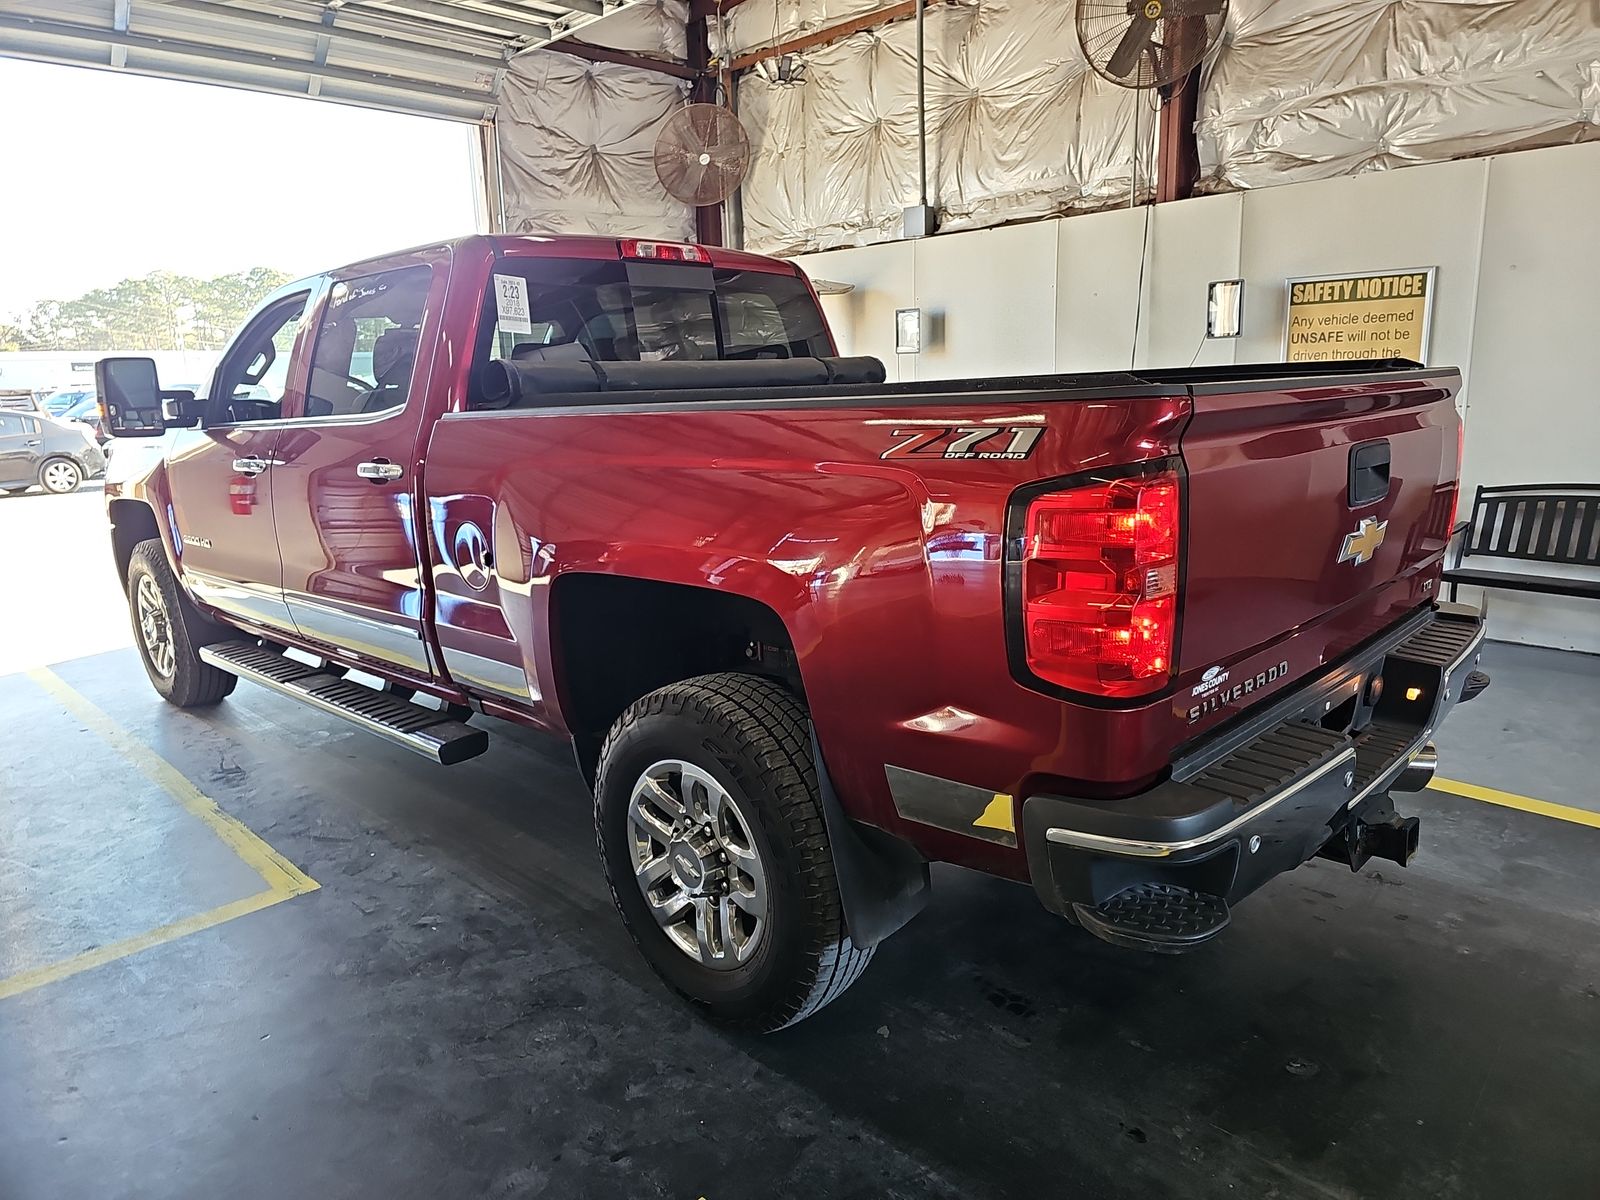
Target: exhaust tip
[{"x": 1419, "y": 771}]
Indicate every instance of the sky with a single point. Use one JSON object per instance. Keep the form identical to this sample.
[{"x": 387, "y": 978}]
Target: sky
[{"x": 110, "y": 176}]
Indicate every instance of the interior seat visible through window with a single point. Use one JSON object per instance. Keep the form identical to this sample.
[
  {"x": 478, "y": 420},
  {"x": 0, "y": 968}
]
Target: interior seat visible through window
[
  {"x": 610, "y": 310},
  {"x": 366, "y": 351}
]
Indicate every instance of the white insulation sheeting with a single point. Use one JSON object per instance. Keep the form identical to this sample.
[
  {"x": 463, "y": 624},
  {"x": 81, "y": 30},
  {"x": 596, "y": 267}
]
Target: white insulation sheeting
[
  {"x": 1018, "y": 126},
  {"x": 768, "y": 22},
  {"x": 656, "y": 28},
  {"x": 1310, "y": 89},
  {"x": 576, "y": 141}
]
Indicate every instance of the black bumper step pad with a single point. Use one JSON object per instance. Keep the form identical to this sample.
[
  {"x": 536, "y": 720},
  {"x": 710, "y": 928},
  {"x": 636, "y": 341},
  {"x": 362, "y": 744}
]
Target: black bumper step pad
[
  {"x": 1162, "y": 918},
  {"x": 1441, "y": 644},
  {"x": 1380, "y": 746},
  {"x": 1268, "y": 764}
]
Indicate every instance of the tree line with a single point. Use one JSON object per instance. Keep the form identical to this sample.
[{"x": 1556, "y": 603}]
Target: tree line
[{"x": 161, "y": 311}]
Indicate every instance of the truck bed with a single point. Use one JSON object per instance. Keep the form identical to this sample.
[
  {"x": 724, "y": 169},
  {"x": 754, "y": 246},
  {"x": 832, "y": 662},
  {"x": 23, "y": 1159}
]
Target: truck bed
[{"x": 701, "y": 383}]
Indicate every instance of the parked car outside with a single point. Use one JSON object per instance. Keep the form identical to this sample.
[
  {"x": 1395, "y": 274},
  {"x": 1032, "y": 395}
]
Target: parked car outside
[
  {"x": 56, "y": 455},
  {"x": 86, "y": 411},
  {"x": 64, "y": 400}
]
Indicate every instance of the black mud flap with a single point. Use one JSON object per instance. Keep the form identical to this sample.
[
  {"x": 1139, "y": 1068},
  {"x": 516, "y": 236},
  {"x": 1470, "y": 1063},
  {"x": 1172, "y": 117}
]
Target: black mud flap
[{"x": 883, "y": 881}]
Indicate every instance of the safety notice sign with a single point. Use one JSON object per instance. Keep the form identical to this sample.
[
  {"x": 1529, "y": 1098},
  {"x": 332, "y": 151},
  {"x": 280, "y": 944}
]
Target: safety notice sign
[{"x": 1339, "y": 317}]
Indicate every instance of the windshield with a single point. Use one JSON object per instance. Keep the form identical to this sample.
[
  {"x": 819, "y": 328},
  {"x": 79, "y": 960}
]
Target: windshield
[{"x": 612, "y": 311}]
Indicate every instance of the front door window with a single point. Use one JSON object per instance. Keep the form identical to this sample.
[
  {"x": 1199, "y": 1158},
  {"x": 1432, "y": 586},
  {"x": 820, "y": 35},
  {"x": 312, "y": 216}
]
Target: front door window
[
  {"x": 254, "y": 376},
  {"x": 367, "y": 345}
]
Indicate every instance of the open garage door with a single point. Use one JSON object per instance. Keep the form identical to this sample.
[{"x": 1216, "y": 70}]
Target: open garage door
[{"x": 436, "y": 58}]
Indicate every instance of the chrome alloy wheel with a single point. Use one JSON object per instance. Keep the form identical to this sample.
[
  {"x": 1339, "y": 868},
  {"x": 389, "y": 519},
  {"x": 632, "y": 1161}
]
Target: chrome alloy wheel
[
  {"x": 697, "y": 864},
  {"x": 155, "y": 627}
]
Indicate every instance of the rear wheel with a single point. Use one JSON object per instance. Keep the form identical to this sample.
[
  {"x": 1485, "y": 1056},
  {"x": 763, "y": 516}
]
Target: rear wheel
[
  {"x": 60, "y": 475},
  {"x": 169, "y": 630},
  {"x": 713, "y": 841}
]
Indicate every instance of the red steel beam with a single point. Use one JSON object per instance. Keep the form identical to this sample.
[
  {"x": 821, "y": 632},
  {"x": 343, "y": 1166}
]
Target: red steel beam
[
  {"x": 621, "y": 57},
  {"x": 700, "y": 10},
  {"x": 833, "y": 33},
  {"x": 1178, "y": 162},
  {"x": 707, "y": 217}
]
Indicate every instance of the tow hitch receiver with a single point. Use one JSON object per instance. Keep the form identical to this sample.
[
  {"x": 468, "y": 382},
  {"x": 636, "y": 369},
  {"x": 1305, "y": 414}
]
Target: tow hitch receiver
[{"x": 1376, "y": 832}]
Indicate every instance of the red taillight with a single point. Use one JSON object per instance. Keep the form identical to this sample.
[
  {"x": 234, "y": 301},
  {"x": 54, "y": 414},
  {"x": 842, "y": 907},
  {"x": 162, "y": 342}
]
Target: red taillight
[
  {"x": 1100, "y": 585},
  {"x": 664, "y": 251}
]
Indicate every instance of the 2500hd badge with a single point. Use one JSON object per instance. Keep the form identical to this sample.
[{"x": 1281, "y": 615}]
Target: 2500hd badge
[{"x": 1214, "y": 694}]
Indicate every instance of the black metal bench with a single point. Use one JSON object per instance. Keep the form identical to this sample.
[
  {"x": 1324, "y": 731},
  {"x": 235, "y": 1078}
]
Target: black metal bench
[{"x": 1533, "y": 522}]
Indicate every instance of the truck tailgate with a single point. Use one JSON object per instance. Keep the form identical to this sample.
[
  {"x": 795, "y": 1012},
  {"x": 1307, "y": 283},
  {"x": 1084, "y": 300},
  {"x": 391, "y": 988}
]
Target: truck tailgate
[{"x": 1307, "y": 502}]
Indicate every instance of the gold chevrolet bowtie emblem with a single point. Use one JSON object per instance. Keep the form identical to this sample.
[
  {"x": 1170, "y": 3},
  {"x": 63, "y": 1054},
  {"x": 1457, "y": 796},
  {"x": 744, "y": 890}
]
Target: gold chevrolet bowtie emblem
[{"x": 1361, "y": 545}]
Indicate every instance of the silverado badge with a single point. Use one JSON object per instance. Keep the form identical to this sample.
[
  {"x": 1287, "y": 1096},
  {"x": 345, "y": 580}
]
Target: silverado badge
[{"x": 1360, "y": 546}]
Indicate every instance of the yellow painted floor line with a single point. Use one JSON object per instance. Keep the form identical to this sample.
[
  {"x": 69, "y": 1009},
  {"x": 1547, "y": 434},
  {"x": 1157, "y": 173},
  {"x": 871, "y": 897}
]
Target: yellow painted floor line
[
  {"x": 1561, "y": 812},
  {"x": 26, "y": 981},
  {"x": 277, "y": 872},
  {"x": 284, "y": 880}
]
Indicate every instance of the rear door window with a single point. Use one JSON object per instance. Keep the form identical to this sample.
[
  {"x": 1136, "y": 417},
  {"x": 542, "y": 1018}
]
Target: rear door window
[{"x": 614, "y": 311}]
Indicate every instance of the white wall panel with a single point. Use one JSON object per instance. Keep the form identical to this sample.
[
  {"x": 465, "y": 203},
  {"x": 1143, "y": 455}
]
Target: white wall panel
[
  {"x": 1192, "y": 243},
  {"x": 988, "y": 303},
  {"x": 1097, "y": 290},
  {"x": 1429, "y": 217},
  {"x": 1536, "y": 359},
  {"x": 987, "y": 300},
  {"x": 884, "y": 278}
]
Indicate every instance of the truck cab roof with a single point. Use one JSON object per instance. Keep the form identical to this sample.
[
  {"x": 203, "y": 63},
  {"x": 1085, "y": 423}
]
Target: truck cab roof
[{"x": 528, "y": 245}]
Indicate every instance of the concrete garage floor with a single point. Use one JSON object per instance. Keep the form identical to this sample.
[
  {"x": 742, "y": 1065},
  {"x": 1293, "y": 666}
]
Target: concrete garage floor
[{"x": 454, "y": 1010}]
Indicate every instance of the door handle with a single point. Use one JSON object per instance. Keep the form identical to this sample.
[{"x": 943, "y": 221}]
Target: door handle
[
  {"x": 34, "y": 442},
  {"x": 251, "y": 464},
  {"x": 380, "y": 470}
]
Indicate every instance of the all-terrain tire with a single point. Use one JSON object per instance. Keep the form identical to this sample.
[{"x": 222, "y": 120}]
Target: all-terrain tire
[
  {"x": 191, "y": 683},
  {"x": 753, "y": 737}
]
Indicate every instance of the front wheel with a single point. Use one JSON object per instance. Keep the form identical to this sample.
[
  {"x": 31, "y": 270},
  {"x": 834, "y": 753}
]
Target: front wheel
[
  {"x": 60, "y": 475},
  {"x": 169, "y": 630},
  {"x": 713, "y": 841}
]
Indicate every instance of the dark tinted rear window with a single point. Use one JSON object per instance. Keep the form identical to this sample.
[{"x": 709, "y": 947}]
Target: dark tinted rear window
[{"x": 615, "y": 311}]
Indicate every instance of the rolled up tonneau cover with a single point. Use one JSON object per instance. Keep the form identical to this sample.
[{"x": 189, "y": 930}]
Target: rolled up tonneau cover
[{"x": 509, "y": 382}]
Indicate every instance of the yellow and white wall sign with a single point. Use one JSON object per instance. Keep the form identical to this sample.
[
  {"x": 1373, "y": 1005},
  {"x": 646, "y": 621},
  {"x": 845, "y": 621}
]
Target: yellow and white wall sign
[{"x": 1335, "y": 317}]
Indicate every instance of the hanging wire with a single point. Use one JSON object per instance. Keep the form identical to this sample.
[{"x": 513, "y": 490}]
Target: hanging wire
[{"x": 1149, "y": 208}]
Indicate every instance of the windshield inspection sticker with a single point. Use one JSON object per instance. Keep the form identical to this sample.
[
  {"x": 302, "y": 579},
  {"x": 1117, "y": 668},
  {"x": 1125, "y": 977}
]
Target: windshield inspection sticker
[{"x": 511, "y": 304}]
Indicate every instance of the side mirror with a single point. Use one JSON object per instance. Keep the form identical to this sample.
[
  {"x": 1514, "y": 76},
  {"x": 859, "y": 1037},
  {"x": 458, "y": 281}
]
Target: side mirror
[{"x": 130, "y": 397}]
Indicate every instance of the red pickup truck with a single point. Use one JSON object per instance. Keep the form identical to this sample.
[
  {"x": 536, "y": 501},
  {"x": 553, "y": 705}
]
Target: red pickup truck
[{"x": 1143, "y": 640}]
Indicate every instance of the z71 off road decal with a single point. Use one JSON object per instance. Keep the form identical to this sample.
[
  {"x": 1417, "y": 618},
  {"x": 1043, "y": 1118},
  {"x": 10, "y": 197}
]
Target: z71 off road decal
[{"x": 954, "y": 441}]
